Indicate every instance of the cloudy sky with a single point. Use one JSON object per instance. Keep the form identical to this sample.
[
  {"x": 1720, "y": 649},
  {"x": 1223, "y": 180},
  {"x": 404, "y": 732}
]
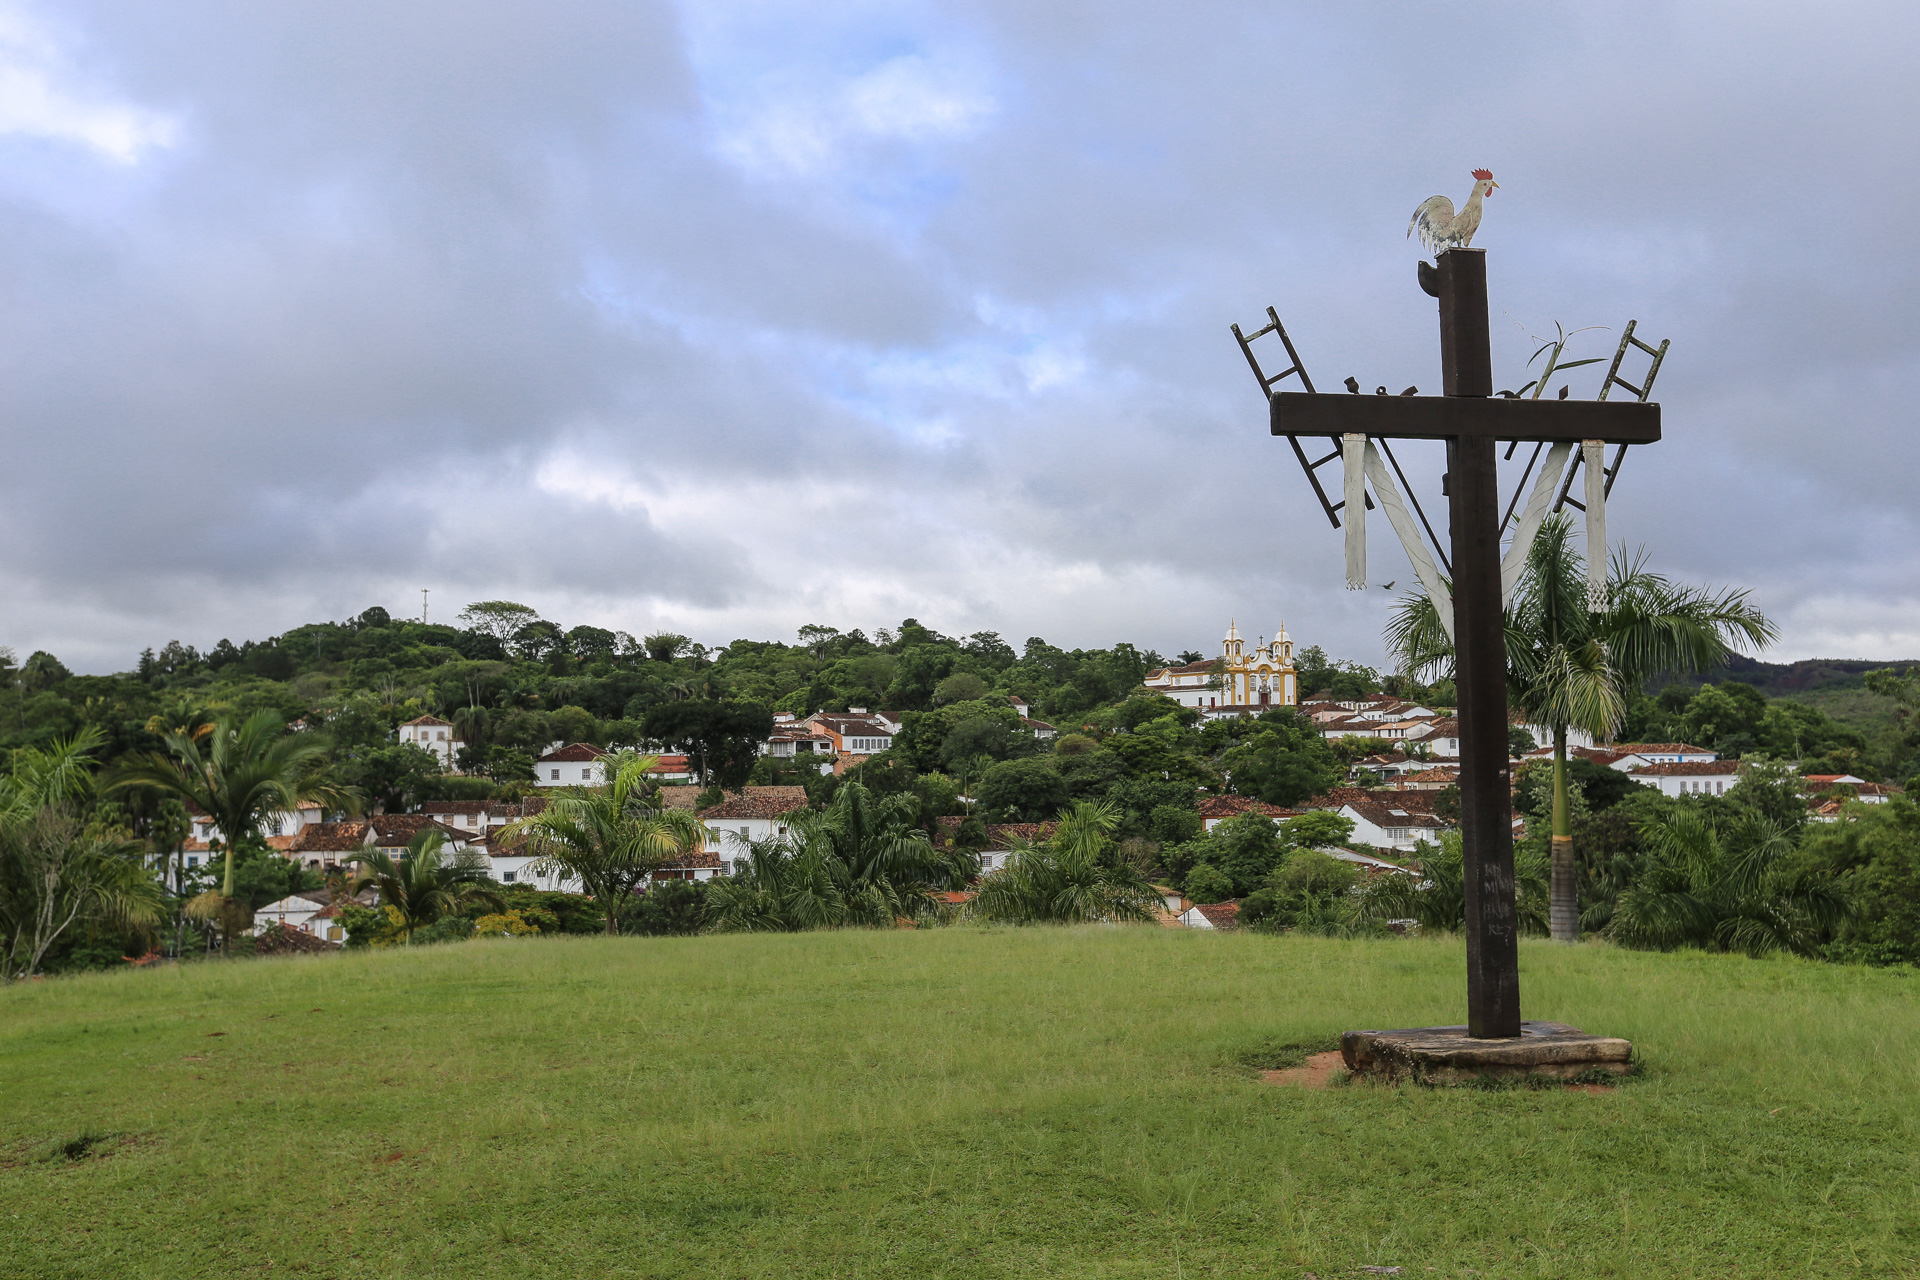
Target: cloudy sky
[{"x": 733, "y": 317}]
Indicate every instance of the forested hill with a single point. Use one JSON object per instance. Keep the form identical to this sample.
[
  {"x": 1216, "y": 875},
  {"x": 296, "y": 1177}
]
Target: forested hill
[{"x": 1809, "y": 675}]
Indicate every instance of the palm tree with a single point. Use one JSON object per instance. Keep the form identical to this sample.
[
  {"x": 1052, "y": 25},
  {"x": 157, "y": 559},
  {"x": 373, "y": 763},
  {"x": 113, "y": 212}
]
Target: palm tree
[
  {"x": 239, "y": 774},
  {"x": 611, "y": 839},
  {"x": 860, "y": 861},
  {"x": 53, "y": 870},
  {"x": 1569, "y": 665},
  {"x": 1072, "y": 877},
  {"x": 424, "y": 884},
  {"x": 1734, "y": 887},
  {"x": 885, "y": 866}
]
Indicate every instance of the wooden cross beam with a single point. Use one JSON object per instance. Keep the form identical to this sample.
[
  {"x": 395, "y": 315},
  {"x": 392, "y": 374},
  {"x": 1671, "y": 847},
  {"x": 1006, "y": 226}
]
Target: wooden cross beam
[
  {"x": 1300, "y": 413},
  {"x": 1470, "y": 421}
]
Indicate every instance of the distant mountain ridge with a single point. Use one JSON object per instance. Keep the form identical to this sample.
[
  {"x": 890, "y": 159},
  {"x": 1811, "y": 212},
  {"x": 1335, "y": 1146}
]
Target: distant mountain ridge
[{"x": 1809, "y": 675}]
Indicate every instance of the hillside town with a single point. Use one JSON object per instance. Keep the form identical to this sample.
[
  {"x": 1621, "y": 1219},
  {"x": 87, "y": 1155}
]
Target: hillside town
[{"x": 1396, "y": 799}]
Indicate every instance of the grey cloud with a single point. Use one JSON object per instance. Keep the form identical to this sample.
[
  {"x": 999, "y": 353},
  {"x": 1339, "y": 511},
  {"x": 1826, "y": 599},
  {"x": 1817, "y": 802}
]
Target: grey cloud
[{"x": 971, "y": 365}]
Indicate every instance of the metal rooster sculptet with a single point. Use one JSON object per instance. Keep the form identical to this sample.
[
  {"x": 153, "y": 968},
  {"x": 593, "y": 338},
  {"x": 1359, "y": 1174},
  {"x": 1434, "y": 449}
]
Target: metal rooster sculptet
[{"x": 1440, "y": 227}]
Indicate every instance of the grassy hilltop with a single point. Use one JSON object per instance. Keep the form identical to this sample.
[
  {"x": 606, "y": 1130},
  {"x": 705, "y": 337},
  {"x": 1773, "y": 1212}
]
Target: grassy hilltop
[{"x": 956, "y": 1102}]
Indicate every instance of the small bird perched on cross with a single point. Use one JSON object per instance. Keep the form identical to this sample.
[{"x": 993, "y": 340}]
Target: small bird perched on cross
[{"x": 1440, "y": 227}]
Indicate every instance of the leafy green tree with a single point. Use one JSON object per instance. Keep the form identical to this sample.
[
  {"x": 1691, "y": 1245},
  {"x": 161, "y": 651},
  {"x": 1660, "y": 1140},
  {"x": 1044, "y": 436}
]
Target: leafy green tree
[
  {"x": 723, "y": 739},
  {"x": 1773, "y": 790},
  {"x": 573, "y": 724},
  {"x": 1029, "y": 790},
  {"x": 1726, "y": 717},
  {"x": 1285, "y": 761},
  {"x": 500, "y": 619},
  {"x": 425, "y": 884},
  {"x": 1246, "y": 848},
  {"x": 611, "y": 839},
  {"x": 989, "y": 736},
  {"x": 1207, "y": 883},
  {"x": 393, "y": 776},
  {"x": 56, "y": 872},
  {"x": 240, "y": 773},
  {"x": 1075, "y": 876},
  {"x": 1174, "y": 823},
  {"x": 1317, "y": 829},
  {"x": 592, "y": 644},
  {"x": 1875, "y": 855},
  {"x": 961, "y": 686},
  {"x": 1310, "y": 891},
  {"x": 1570, "y": 665}
]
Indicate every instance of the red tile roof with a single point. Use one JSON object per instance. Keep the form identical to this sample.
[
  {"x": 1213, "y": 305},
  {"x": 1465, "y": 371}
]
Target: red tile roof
[
  {"x": 1335, "y": 798},
  {"x": 330, "y": 837},
  {"x": 392, "y": 830},
  {"x": 577, "y": 753},
  {"x": 1661, "y": 748},
  {"x": 758, "y": 802},
  {"x": 1687, "y": 768},
  {"x": 1221, "y": 915},
  {"x": 433, "y": 720},
  {"x": 278, "y": 940},
  {"x": 1233, "y": 806},
  {"x": 457, "y": 806},
  {"x": 1190, "y": 669},
  {"x": 698, "y": 859}
]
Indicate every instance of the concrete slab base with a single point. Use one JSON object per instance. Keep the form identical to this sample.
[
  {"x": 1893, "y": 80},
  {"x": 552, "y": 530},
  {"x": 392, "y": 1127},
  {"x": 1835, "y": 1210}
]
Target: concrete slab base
[{"x": 1448, "y": 1055}]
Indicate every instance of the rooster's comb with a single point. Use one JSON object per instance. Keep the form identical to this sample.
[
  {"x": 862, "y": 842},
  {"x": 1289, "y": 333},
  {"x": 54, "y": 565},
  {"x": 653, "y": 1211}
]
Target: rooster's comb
[{"x": 1484, "y": 175}]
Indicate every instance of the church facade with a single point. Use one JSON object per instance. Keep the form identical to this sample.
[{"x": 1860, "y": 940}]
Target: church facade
[{"x": 1241, "y": 680}]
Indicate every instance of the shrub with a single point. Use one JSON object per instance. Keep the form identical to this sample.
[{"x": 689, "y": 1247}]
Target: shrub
[
  {"x": 669, "y": 908},
  {"x": 507, "y": 924},
  {"x": 1207, "y": 883}
]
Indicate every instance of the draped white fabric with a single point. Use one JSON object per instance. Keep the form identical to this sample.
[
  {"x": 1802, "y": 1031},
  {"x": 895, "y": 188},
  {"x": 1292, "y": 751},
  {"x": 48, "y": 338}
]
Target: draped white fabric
[
  {"x": 1353, "y": 453},
  {"x": 1514, "y": 563},
  {"x": 1593, "y": 461}
]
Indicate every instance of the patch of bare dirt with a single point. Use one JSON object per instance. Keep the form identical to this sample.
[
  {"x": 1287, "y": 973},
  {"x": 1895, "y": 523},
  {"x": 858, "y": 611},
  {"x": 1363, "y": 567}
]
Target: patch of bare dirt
[{"x": 1317, "y": 1072}]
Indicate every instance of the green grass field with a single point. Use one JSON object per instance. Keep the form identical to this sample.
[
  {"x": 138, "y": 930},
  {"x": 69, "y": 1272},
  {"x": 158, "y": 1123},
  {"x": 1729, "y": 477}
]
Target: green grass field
[{"x": 955, "y": 1102}]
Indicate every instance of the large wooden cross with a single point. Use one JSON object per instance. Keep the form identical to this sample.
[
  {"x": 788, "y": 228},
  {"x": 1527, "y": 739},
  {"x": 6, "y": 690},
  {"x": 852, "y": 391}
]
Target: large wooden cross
[{"x": 1471, "y": 421}]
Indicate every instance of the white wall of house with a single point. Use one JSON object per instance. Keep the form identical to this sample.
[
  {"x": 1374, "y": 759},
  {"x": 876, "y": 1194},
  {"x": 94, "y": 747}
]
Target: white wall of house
[
  {"x": 729, "y": 834},
  {"x": 1689, "y": 784},
  {"x": 436, "y": 738},
  {"x": 570, "y": 773},
  {"x": 518, "y": 868},
  {"x": 1389, "y": 836},
  {"x": 294, "y": 913}
]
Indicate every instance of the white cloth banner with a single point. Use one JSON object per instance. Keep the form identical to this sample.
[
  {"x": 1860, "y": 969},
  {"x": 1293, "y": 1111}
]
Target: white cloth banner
[
  {"x": 1353, "y": 455},
  {"x": 1593, "y": 458},
  {"x": 1416, "y": 548},
  {"x": 1514, "y": 563}
]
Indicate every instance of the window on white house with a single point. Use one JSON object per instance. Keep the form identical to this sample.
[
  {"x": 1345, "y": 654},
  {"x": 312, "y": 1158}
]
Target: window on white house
[
  {"x": 192, "y": 861},
  {"x": 556, "y": 775},
  {"x": 586, "y": 773},
  {"x": 506, "y": 877}
]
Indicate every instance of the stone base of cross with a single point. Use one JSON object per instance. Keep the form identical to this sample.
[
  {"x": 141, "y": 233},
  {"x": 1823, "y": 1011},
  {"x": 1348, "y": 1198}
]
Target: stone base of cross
[{"x": 1470, "y": 420}]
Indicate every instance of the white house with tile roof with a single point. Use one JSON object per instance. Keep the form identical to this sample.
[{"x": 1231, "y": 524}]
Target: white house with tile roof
[{"x": 432, "y": 734}]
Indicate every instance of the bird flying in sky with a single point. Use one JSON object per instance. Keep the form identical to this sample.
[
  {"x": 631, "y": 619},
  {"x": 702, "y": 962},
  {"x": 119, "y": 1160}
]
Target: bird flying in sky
[{"x": 1440, "y": 227}]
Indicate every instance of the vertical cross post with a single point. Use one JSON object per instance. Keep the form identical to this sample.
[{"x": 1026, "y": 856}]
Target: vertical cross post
[{"x": 1486, "y": 830}]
